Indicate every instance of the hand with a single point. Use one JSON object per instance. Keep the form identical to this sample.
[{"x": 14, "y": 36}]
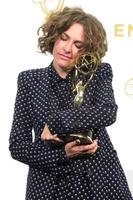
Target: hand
[
  {"x": 73, "y": 148},
  {"x": 46, "y": 135}
]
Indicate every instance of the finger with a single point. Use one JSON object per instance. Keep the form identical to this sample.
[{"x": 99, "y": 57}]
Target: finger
[
  {"x": 48, "y": 137},
  {"x": 92, "y": 151},
  {"x": 77, "y": 141},
  {"x": 55, "y": 135},
  {"x": 93, "y": 145},
  {"x": 58, "y": 139},
  {"x": 72, "y": 144},
  {"x": 70, "y": 148},
  {"x": 90, "y": 147}
]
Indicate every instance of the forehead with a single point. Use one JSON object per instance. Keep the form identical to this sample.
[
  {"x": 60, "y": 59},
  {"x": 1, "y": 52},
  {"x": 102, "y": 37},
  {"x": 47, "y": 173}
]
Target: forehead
[{"x": 76, "y": 32}]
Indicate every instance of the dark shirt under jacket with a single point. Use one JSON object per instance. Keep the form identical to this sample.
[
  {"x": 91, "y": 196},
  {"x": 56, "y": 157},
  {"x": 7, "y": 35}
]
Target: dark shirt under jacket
[{"x": 44, "y": 97}]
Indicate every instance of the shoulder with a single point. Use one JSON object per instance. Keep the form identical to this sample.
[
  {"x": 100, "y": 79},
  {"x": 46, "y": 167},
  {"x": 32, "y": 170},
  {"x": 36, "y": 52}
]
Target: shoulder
[
  {"x": 32, "y": 74},
  {"x": 104, "y": 70}
]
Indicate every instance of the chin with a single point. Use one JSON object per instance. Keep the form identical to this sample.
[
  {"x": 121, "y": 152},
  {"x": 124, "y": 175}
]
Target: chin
[
  {"x": 66, "y": 65},
  {"x": 67, "y": 69},
  {"x": 63, "y": 66}
]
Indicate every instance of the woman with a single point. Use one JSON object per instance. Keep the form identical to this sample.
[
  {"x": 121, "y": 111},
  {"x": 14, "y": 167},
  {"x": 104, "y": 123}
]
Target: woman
[{"x": 46, "y": 103}]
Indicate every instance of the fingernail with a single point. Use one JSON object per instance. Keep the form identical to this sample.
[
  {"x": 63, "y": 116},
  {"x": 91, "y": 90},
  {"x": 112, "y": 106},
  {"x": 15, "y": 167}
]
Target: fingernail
[{"x": 77, "y": 141}]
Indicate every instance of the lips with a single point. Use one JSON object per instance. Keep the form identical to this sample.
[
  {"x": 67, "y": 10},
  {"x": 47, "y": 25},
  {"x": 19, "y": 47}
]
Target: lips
[{"x": 64, "y": 57}]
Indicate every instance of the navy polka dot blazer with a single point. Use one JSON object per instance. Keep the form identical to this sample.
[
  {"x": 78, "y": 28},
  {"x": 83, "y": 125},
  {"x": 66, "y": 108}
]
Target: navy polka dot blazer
[{"x": 44, "y": 97}]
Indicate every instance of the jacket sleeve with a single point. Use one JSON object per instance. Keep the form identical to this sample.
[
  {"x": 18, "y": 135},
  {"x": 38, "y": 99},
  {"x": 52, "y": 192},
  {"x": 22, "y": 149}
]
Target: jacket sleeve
[
  {"x": 21, "y": 146},
  {"x": 101, "y": 112}
]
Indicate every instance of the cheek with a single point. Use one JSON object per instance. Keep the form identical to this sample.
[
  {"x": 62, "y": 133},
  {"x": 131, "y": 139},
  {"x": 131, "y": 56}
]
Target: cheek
[
  {"x": 58, "y": 43},
  {"x": 76, "y": 54},
  {"x": 55, "y": 49},
  {"x": 56, "y": 46}
]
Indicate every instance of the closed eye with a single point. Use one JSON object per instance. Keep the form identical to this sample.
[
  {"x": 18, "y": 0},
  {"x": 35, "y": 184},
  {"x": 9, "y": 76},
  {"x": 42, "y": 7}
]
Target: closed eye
[
  {"x": 63, "y": 37},
  {"x": 79, "y": 45}
]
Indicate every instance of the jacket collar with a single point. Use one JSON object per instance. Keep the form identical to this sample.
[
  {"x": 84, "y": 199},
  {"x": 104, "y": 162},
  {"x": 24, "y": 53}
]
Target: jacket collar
[{"x": 55, "y": 78}]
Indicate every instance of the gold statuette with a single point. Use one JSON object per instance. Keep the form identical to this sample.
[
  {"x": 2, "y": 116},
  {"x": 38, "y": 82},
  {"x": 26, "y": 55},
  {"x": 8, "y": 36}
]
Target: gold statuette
[{"x": 86, "y": 65}]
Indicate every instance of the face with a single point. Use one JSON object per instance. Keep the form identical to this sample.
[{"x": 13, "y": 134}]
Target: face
[{"x": 68, "y": 47}]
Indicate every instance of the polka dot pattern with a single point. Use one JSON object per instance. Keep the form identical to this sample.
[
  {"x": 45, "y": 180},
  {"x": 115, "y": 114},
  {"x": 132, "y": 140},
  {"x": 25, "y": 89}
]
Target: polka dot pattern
[{"x": 44, "y": 97}]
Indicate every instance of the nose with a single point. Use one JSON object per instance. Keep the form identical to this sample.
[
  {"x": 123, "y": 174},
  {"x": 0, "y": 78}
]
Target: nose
[{"x": 68, "y": 47}]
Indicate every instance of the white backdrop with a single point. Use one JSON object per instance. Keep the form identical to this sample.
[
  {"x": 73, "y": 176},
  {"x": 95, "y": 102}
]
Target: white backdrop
[{"x": 19, "y": 21}]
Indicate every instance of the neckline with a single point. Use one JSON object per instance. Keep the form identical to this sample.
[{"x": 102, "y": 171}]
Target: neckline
[{"x": 55, "y": 77}]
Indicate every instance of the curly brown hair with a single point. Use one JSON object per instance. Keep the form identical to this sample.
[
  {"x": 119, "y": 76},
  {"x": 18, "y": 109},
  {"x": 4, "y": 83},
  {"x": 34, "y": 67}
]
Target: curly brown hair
[{"x": 59, "y": 22}]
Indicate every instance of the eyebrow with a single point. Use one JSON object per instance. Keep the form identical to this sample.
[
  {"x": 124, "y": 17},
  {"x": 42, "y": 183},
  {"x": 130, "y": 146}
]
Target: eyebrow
[{"x": 79, "y": 41}]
